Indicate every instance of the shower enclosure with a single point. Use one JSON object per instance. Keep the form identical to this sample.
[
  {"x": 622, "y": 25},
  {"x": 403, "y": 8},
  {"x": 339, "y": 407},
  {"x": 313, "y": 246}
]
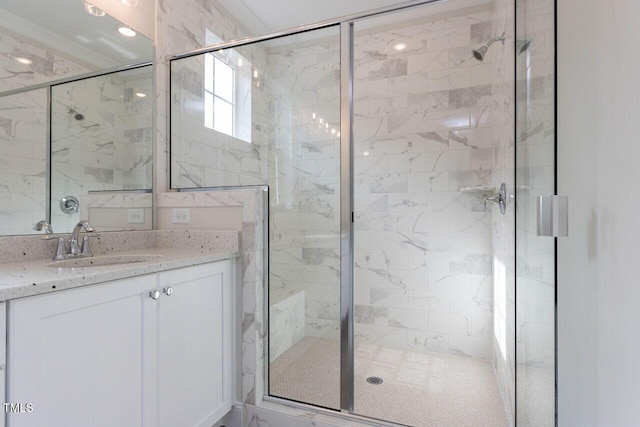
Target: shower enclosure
[{"x": 398, "y": 287}]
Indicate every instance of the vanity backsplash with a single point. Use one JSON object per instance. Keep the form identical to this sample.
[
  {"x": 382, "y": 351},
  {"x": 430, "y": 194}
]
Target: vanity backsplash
[{"x": 33, "y": 248}]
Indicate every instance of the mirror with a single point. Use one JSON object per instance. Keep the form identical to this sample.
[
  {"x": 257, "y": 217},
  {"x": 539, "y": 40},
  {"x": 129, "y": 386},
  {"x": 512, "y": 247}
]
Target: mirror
[
  {"x": 43, "y": 47},
  {"x": 101, "y": 151}
]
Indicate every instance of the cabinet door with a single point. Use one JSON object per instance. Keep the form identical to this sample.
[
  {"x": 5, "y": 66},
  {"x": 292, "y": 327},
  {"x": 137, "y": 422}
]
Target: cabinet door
[
  {"x": 77, "y": 355},
  {"x": 194, "y": 345}
]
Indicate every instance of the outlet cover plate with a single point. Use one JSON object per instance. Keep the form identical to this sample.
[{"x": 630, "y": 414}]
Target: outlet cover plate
[
  {"x": 135, "y": 216},
  {"x": 181, "y": 216}
]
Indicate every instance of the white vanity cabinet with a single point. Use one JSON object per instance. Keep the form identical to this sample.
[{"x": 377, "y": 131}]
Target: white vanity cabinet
[
  {"x": 121, "y": 354},
  {"x": 194, "y": 345}
]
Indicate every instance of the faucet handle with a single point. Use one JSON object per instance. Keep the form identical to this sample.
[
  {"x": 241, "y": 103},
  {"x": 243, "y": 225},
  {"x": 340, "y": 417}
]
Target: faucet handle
[
  {"x": 86, "y": 249},
  {"x": 61, "y": 250}
]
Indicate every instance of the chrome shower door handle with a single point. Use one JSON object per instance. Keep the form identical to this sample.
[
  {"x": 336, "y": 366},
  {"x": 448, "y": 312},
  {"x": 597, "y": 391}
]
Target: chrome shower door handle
[
  {"x": 500, "y": 199},
  {"x": 553, "y": 216}
]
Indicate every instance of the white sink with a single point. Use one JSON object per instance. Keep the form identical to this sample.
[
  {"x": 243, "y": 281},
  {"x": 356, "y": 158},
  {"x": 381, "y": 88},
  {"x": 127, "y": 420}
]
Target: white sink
[{"x": 101, "y": 261}]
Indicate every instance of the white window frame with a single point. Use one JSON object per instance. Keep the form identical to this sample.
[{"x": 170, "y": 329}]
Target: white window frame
[{"x": 240, "y": 96}]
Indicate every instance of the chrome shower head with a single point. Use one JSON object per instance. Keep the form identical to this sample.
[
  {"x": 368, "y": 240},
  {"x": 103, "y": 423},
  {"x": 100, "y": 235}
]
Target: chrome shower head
[
  {"x": 75, "y": 114},
  {"x": 480, "y": 52},
  {"x": 522, "y": 46}
]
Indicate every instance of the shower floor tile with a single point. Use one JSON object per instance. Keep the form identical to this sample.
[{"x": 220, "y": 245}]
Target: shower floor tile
[{"x": 419, "y": 389}]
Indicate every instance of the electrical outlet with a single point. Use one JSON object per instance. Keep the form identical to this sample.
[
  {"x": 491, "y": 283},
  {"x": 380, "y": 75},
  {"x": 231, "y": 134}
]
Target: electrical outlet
[
  {"x": 181, "y": 216},
  {"x": 135, "y": 216}
]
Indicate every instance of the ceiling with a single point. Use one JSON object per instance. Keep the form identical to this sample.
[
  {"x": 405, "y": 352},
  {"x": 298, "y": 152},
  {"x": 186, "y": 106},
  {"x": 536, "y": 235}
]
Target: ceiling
[
  {"x": 269, "y": 16},
  {"x": 64, "y": 27}
]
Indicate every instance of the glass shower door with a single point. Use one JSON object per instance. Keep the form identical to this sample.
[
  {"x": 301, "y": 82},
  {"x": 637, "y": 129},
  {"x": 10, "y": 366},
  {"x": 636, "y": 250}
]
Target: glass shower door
[
  {"x": 535, "y": 177},
  {"x": 425, "y": 130}
]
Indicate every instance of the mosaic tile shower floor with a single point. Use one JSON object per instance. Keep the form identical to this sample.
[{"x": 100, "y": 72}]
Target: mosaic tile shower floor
[{"x": 419, "y": 389}]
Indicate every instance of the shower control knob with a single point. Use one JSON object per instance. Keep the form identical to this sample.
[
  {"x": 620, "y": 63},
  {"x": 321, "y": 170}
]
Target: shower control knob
[
  {"x": 168, "y": 291},
  {"x": 154, "y": 294}
]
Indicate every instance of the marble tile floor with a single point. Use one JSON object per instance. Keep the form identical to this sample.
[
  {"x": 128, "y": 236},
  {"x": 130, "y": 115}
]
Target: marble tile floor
[{"x": 419, "y": 389}]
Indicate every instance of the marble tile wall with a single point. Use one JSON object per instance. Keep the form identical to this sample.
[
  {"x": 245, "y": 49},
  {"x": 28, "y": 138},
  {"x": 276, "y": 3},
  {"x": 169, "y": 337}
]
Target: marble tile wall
[
  {"x": 23, "y": 131},
  {"x": 110, "y": 148},
  {"x": 424, "y": 124}
]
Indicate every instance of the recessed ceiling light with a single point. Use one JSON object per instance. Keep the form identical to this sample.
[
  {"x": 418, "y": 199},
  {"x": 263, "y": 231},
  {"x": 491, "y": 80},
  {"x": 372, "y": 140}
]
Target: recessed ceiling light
[
  {"x": 91, "y": 9},
  {"x": 22, "y": 60},
  {"x": 126, "y": 31},
  {"x": 141, "y": 94},
  {"x": 400, "y": 46}
]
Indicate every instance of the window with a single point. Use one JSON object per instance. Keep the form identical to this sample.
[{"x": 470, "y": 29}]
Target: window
[
  {"x": 219, "y": 103},
  {"x": 227, "y": 93}
]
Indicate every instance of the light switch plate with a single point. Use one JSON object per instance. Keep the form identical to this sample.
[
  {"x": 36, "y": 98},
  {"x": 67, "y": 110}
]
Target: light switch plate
[
  {"x": 135, "y": 216},
  {"x": 181, "y": 216}
]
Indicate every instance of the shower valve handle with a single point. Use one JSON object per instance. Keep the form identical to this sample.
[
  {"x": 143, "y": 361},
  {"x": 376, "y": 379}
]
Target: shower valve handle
[{"x": 500, "y": 199}]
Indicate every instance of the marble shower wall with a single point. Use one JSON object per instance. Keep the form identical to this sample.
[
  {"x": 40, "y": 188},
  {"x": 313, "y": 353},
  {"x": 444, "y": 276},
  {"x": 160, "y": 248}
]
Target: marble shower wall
[
  {"x": 23, "y": 131},
  {"x": 101, "y": 138},
  {"x": 425, "y": 116}
]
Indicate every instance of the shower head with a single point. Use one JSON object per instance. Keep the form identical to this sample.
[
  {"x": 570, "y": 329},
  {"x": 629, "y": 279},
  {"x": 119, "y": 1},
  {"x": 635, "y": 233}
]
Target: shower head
[
  {"x": 75, "y": 114},
  {"x": 522, "y": 46},
  {"x": 480, "y": 52}
]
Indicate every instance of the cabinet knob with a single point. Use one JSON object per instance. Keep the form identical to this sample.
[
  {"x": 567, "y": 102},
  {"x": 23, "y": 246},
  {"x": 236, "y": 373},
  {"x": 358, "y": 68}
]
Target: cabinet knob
[
  {"x": 168, "y": 291},
  {"x": 154, "y": 294}
]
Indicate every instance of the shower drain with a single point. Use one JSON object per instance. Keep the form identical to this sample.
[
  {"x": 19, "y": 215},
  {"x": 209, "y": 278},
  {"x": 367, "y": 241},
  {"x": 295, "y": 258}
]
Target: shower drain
[{"x": 374, "y": 380}]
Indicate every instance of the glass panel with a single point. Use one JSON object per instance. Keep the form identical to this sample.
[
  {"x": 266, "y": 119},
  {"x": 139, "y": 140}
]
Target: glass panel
[
  {"x": 101, "y": 142},
  {"x": 223, "y": 116},
  {"x": 425, "y": 131},
  {"x": 535, "y": 176},
  {"x": 293, "y": 86},
  {"x": 224, "y": 81},
  {"x": 208, "y": 135},
  {"x": 23, "y": 161},
  {"x": 302, "y": 78}
]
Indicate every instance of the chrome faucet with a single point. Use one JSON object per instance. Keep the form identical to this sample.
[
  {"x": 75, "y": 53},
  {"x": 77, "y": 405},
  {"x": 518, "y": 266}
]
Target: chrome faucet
[
  {"x": 43, "y": 225},
  {"x": 74, "y": 248}
]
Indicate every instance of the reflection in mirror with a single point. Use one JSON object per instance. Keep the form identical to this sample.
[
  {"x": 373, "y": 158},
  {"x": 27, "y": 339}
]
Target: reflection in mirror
[
  {"x": 101, "y": 151},
  {"x": 42, "y": 43},
  {"x": 23, "y": 161}
]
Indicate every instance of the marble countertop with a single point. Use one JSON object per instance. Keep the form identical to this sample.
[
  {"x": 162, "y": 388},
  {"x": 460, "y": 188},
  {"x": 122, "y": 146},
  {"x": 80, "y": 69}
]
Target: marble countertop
[{"x": 175, "y": 249}]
